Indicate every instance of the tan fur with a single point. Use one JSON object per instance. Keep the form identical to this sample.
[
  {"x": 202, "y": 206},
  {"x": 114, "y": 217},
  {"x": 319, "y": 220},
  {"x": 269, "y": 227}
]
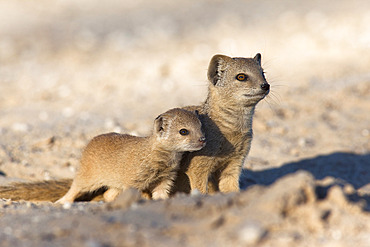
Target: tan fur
[
  {"x": 113, "y": 162},
  {"x": 45, "y": 191},
  {"x": 117, "y": 161},
  {"x": 226, "y": 116},
  {"x": 36, "y": 191}
]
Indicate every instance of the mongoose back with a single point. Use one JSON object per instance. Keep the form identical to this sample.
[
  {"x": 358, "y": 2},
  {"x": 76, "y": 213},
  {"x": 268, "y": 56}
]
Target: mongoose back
[
  {"x": 236, "y": 85},
  {"x": 120, "y": 161}
]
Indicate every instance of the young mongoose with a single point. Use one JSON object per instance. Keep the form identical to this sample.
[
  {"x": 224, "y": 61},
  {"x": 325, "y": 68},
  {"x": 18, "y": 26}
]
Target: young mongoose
[
  {"x": 116, "y": 161},
  {"x": 236, "y": 85},
  {"x": 119, "y": 161}
]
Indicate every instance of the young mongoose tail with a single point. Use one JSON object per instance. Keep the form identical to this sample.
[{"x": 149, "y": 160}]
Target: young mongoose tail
[
  {"x": 236, "y": 85},
  {"x": 36, "y": 191},
  {"x": 117, "y": 161},
  {"x": 50, "y": 190}
]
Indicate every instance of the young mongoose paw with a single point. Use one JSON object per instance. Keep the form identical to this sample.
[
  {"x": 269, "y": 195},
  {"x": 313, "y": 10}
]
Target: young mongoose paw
[
  {"x": 63, "y": 201},
  {"x": 112, "y": 193},
  {"x": 157, "y": 195}
]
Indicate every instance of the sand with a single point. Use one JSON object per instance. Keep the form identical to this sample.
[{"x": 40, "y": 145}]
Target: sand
[{"x": 70, "y": 70}]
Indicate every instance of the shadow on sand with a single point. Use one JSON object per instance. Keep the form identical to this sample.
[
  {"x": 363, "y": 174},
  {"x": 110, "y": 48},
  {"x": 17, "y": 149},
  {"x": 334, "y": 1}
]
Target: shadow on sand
[
  {"x": 350, "y": 168},
  {"x": 344, "y": 167}
]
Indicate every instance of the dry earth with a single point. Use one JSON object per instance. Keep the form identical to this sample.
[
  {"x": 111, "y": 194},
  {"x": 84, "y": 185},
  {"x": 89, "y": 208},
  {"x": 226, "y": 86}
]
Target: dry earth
[{"x": 70, "y": 70}]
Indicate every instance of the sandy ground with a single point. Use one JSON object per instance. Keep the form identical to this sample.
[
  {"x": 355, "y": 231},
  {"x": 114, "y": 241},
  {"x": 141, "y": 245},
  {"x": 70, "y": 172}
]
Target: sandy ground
[{"x": 70, "y": 70}]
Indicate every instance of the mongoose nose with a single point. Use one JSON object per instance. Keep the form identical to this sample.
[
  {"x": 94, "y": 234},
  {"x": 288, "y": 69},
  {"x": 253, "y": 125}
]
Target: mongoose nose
[
  {"x": 202, "y": 139},
  {"x": 265, "y": 86}
]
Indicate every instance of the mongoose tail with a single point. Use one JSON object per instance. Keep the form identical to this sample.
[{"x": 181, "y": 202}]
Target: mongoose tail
[
  {"x": 49, "y": 191},
  {"x": 36, "y": 191}
]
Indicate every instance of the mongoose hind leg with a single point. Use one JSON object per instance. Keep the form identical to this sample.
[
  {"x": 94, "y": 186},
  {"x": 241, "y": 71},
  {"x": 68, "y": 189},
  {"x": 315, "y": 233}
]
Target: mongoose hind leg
[
  {"x": 71, "y": 195},
  {"x": 112, "y": 194}
]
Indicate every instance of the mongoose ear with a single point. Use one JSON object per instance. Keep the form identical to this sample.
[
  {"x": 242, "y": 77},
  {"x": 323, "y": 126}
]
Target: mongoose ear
[
  {"x": 257, "y": 58},
  {"x": 216, "y": 68},
  {"x": 196, "y": 113},
  {"x": 158, "y": 124}
]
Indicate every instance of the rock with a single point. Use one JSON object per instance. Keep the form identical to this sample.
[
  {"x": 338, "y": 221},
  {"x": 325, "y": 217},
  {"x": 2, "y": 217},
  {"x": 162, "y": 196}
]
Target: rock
[
  {"x": 125, "y": 199},
  {"x": 288, "y": 192},
  {"x": 251, "y": 233}
]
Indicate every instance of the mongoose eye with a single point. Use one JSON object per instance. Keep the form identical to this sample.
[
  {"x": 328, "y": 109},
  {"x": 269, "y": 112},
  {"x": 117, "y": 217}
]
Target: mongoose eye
[
  {"x": 184, "y": 132},
  {"x": 241, "y": 77}
]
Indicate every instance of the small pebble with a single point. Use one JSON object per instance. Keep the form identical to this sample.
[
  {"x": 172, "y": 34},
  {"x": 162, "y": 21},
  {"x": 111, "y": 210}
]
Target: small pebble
[
  {"x": 251, "y": 233},
  {"x": 349, "y": 189},
  {"x": 195, "y": 192},
  {"x": 365, "y": 132},
  {"x": 20, "y": 127},
  {"x": 67, "y": 205}
]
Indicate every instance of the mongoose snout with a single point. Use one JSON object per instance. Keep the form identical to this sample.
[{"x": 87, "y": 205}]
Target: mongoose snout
[
  {"x": 199, "y": 144},
  {"x": 202, "y": 142}
]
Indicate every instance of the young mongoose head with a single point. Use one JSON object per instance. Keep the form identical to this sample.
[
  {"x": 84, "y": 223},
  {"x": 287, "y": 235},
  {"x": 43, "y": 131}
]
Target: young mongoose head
[
  {"x": 179, "y": 130},
  {"x": 237, "y": 80}
]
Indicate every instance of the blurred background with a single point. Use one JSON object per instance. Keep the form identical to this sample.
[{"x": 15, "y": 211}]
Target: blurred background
[{"x": 70, "y": 70}]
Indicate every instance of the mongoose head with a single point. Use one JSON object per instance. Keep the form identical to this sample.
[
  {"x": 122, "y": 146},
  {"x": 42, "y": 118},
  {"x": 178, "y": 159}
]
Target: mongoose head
[
  {"x": 179, "y": 130},
  {"x": 239, "y": 81}
]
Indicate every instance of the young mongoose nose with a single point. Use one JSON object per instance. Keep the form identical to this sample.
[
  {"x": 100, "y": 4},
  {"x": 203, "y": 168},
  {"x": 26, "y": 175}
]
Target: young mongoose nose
[
  {"x": 202, "y": 139},
  {"x": 265, "y": 86}
]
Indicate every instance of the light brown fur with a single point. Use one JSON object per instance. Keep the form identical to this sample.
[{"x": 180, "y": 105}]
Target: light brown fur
[
  {"x": 36, "y": 191},
  {"x": 112, "y": 162},
  {"x": 226, "y": 116},
  {"x": 118, "y": 161}
]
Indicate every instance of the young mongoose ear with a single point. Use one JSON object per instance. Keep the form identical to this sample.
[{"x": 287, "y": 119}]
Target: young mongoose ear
[
  {"x": 216, "y": 68},
  {"x": 196, "y": 113},
  {"x": 158, "y": 124},
  {"x": 257, "y": 58}
]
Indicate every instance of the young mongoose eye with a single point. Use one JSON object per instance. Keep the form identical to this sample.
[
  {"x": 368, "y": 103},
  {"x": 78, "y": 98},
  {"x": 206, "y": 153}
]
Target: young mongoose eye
[
  {"x": 184, "y": 132},
  {"x": 241, "y": 77}
]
